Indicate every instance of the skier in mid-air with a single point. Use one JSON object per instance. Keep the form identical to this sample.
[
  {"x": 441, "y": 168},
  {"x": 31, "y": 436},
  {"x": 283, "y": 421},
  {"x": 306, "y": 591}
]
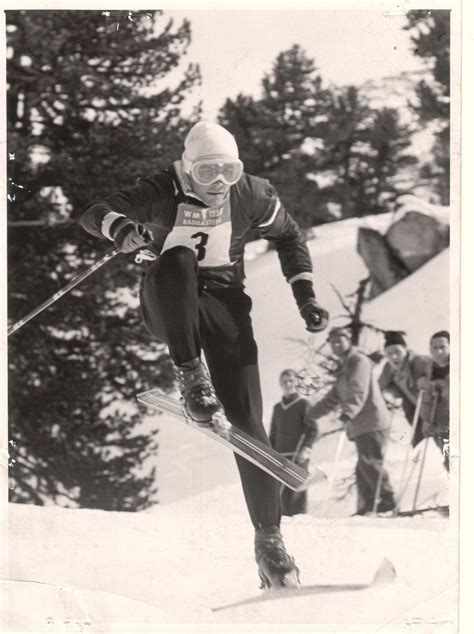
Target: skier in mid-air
[{"x": 195, "y": 217}]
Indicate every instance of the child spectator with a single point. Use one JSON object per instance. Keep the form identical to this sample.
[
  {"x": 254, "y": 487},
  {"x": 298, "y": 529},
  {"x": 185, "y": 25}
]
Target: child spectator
[{"x": 292, "y": 432}]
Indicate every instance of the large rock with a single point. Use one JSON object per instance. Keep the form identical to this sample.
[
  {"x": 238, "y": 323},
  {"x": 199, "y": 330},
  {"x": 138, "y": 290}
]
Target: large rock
[
  {"x": 416, "y": 238},
  {"x": 384, "y": 267}
]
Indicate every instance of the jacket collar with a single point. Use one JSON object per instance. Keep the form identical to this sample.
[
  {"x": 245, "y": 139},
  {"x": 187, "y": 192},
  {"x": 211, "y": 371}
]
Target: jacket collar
[{"x": 290, "y": 403}]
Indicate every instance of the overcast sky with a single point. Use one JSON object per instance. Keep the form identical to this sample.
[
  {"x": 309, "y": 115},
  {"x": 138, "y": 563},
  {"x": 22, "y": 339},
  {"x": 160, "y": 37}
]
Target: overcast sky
[{"x": 235, "y": 48}]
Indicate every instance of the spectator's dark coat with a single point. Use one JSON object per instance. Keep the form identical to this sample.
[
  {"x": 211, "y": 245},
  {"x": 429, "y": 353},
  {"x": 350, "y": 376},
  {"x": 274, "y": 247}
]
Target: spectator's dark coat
[
  {"x": 435, "y": 404},
  {"x": 290, "y": 423}
]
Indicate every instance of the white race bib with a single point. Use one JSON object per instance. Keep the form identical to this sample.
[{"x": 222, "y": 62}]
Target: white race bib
[{"x": 205, "y": 230}]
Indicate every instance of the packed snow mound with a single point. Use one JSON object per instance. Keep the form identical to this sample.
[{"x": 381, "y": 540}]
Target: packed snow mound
[
  {"x": 73, "y": 570},
  {"x": 419, "y": 304},
  {"x": 408, "y": 202}
]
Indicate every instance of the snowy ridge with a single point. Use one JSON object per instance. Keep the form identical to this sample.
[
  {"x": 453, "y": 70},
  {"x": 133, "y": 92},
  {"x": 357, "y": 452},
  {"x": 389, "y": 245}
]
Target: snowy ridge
[{"x": 133, "y": 572}]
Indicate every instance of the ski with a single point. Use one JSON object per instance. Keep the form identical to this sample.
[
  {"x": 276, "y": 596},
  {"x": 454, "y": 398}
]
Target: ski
[
  {"x": 442, "y": 510},
  {"x": 289, "y": 473},
  {"x": 385, "y": 573}
]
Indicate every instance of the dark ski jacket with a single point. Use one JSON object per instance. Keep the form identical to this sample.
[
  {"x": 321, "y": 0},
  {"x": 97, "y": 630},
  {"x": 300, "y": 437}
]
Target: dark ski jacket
[
  {"x": 291, "y": 423},
  {"x": 435, "y": 403},
  {"x": 165, "y": 203},
  {"x": 357, "y": 393}
]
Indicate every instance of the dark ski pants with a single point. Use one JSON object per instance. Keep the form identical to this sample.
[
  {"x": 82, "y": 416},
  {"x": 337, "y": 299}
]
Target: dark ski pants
[
  {"x": 409, "y": 410},
  {"x": 180, "y": 311},
  {"x": 370, "y": 469}
]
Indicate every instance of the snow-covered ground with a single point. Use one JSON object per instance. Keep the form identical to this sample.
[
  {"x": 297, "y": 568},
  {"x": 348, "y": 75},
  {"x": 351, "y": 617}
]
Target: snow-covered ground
[{"x": 94, "y": 571}]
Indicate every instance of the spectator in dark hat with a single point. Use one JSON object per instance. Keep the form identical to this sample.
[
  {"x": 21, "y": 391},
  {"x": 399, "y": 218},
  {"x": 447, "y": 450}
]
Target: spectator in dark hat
[
  {"x": 293, "y": 432},
  {"x": 364, "y": 416},
  {"x": 435, "y": 408},
  {"x": 403, "y": 374}
]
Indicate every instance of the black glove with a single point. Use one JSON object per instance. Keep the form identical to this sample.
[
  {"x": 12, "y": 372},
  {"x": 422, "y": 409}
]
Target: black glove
[
  {"x": 315, "y": 316},
  {"x": 129, "y": 235}
]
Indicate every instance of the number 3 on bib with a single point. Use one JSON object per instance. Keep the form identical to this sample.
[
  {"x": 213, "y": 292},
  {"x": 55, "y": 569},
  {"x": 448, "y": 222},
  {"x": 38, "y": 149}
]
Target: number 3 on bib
[{"x": 201, "y": 245}]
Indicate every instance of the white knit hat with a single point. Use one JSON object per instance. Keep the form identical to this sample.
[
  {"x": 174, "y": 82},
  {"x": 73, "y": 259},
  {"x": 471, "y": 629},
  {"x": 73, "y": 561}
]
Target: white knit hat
[{"x": 208, "y": 140}]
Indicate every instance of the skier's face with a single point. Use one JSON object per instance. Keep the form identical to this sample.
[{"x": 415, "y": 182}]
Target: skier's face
[
  {"x": 212, "y": 179},
  {"x": 396, "y": 355},
  {"x": 439, "y": 349},
  {"x": 288, "y": 384},
  {"x": 212, "y": 195},
  {"x": 340, "y": 344}
]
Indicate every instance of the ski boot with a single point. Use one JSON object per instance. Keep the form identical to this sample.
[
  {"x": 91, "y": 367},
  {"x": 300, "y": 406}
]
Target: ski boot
[
  {"x": 199, "y": 397},
  {"x": 275, "y": 566}
]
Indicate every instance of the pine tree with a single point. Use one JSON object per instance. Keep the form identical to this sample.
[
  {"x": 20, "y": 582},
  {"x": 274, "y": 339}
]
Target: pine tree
[
  {"x": 275, "y": 133},
  {"x": 90, "y": 108},
  {"x": 430, "y": 34},
  {"x": 325, "y": 149}
]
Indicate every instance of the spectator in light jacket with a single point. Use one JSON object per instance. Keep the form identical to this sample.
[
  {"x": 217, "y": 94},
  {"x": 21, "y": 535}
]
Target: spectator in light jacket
[
  {"x": 293, "y": 432},
  {"x": 365, "y": 417},
  {"x": 403, "y": 376}
]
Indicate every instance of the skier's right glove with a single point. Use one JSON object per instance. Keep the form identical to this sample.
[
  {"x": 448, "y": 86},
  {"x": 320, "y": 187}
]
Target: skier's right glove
[{"x": 129, "y": 235}]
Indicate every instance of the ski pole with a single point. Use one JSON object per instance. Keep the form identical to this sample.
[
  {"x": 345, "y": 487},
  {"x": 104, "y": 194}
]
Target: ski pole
[
  {"x": 401, "y": 494},
  {"x": 293, "y": 454},
  {"x": 416, "y": 417},
  {"x": 418, "y": 483},
  {"x": 329, "y": 433},
  {"x": 434, "y": 404},
  {"x": 340, "y": 446},
  {"x": 379, "y": 477},
  {"x": 74, "y": 282}
]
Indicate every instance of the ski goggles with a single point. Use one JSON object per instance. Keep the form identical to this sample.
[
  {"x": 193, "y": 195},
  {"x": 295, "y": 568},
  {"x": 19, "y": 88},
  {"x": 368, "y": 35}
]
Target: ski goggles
[{"x": 209, "y": 171}]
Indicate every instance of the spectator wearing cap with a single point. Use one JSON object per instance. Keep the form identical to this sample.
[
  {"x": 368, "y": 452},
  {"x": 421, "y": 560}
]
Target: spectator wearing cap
[
  {"x": 403, "y": 376},
  {"x": 435, "y": 406},
  {"x": 293, "y": 432},
  {"x": 365, "y": 417}
]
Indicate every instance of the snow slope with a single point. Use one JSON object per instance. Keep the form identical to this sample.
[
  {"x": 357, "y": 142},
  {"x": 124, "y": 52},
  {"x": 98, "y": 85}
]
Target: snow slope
[
  {"x": 95, "y": 571},
  {"x": 419, "y": 304}
]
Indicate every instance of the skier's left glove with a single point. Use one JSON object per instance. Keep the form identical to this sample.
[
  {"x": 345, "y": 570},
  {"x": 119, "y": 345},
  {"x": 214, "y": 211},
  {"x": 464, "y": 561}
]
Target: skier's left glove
[{"x": 315, "y": 316}]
